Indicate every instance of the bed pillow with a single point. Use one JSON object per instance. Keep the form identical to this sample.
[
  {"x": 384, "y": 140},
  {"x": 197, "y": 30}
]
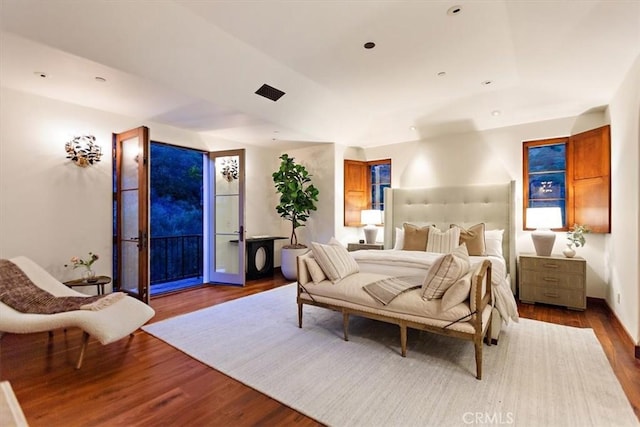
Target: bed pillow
[
  {"x": 317, "y": 275},
  {"x": 415, "y": 238},
  {"x": 457, "y": 293},
  {"x": 334, "y": 260},
  {"x": 444, "y": 272},
  {"x": 443, "y": 242},
  {"x": 399, "y": 244},
  {"x": 474, "y": 238},
  {"x": 493, "y": 241}
]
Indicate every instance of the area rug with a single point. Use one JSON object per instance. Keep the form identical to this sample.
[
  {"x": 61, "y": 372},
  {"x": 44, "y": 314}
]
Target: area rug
[{"x": 540, "y": 374}]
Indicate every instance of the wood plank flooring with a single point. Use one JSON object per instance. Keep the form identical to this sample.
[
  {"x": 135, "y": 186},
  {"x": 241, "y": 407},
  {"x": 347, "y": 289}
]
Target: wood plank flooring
[{"x": 143, "y": 381}]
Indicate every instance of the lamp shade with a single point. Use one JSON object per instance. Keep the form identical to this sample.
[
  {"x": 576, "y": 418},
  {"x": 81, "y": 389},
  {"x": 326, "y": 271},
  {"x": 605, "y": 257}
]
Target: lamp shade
[
  {"x": 544, "y": 218},
  {"x": 371, "y": 217}
]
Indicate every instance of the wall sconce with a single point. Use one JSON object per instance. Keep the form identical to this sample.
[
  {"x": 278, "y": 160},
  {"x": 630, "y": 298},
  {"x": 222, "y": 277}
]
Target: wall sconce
[{"x": 83, "y": 150}]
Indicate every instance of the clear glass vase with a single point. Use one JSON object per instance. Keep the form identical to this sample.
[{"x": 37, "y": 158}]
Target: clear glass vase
[{"x": 89, "y": 275}]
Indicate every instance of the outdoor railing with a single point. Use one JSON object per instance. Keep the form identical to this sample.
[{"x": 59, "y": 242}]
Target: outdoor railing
[{"x": 175, "y": 258}]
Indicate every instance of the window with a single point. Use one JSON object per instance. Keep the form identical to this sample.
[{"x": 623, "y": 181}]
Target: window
[
  {"x": 364, "y": 184},
  {"x": 545, "y": 165},
  {"x": 572, "y": 173}
]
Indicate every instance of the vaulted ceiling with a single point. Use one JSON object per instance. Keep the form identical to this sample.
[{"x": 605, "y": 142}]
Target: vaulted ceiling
[{"x": 196, "y": 64}]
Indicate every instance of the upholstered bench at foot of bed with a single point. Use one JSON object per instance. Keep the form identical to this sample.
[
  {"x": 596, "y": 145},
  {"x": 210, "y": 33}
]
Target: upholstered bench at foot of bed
[{"x": 347, "y": 297}]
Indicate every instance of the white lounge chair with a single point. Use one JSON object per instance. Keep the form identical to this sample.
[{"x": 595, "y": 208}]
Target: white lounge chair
[{"x": 107, "y": 325}]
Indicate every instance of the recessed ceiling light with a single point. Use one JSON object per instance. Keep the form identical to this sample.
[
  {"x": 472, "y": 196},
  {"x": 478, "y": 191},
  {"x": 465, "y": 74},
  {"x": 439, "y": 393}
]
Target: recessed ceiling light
[
  {"x": 369, "y": 45},
  {"x": 454, "y": 10},
  {"x": 100, "y": 79},
  {"x": 486, "y": 82},
  {"x": 412, "y": 128},
  {"x": 441, "y": 74},
  {"x": 41, "y": 74},
  {"x": 496, "y": 113}
]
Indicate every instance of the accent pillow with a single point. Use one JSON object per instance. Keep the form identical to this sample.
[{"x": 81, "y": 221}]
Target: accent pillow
[
  {"x": 334, "y": 260},
  {"x": 317, "y": 275},
  {"x": 457, "y": 293},
  {"x": 443, "y": 242},
  {"x": 399, "y": 239},
  {"x": 493, "y": 241},
  {"x": 474, "y": 238},
  {"x": 444, "y": 272},
  {"x": 415, "y": 238}
]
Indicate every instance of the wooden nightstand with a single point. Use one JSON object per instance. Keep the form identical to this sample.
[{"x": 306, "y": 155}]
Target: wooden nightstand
[
  {"x": 553, "y": 280},
  {"x": 359, "y": 246}
]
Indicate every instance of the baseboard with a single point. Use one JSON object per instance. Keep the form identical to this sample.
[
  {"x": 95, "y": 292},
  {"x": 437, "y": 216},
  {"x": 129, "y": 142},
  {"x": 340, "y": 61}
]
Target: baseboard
[{"x": 630, "y": 340}]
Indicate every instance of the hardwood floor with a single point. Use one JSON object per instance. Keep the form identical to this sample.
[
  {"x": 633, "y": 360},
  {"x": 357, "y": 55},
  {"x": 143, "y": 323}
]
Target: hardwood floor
[{"x": 143, "y": 381}]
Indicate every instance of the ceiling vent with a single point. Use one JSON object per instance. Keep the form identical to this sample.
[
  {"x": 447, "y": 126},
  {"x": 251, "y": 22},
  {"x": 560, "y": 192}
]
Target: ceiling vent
[{"x": 270, "y": 92}]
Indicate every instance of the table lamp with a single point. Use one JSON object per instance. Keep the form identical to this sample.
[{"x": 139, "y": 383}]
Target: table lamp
[
  {"x": 543, "y": 220},
  {"x": 370, "y": 218}
]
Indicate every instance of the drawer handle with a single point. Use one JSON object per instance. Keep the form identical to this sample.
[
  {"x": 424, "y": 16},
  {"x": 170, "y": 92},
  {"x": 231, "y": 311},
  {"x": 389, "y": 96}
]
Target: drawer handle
[
  {"x": 551, "y": 279},
  {"x": 551, "y": 265},
  {"x": 551, "y": 294}
]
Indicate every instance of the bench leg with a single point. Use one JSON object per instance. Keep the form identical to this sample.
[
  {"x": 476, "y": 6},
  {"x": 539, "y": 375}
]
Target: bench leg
[
  {"x": 85, "y": 340},
  {"x": 403, "y": 339},
  {"x": 345, "y": 325},
  {"x": 478, "y": 345}
]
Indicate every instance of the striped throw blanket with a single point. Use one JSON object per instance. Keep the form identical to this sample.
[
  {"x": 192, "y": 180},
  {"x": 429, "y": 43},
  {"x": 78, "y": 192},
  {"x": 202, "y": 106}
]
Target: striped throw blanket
[
  {"x": 20, "y": 293},
  {"x": 385, "y": 290}
]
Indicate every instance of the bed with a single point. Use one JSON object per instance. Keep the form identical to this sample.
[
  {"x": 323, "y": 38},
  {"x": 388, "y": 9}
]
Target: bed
[{"x": 465, "y": 206}]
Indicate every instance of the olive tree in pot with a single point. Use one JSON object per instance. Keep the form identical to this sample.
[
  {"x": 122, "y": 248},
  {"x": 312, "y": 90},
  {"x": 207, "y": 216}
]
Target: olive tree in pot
[{"x": 298, "y": 198}]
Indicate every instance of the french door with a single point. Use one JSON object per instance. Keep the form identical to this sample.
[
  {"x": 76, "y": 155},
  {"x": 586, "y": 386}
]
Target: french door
[
  {"x": 224, "y": 210},
  {"x": 131, "y": 212}
]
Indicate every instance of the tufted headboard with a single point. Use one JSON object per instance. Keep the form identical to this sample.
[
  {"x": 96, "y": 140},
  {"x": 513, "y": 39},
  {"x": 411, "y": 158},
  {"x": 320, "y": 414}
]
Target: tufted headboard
[{"x": 442, "y": 206}]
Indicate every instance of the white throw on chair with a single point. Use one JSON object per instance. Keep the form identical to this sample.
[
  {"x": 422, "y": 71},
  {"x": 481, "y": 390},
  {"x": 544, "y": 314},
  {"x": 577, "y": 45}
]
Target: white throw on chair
[{"x": 107, "y": 325}]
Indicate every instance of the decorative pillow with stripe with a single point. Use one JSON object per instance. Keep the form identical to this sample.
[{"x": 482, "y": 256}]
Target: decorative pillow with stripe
[
  {"x": 444, "y": 272},
  {"x": 334, "y": 260},
  {"x": 474, "y": 238},
  {"x": 443, "y": 242}
]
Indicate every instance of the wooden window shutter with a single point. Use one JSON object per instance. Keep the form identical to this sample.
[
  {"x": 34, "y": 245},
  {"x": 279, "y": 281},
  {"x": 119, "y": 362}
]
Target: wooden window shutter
[
  {"x": 356, "y": 191},
  {"x": 589, "y": 183}
]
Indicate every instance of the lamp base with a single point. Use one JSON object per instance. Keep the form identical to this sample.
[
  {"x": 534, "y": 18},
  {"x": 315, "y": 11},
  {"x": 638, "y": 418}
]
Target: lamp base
[
  {"x": 543, "y": 241},
  {"x": 370, "y": 234}
]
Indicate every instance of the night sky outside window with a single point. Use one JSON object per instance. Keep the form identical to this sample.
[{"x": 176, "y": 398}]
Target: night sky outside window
[{"x": 547, "y": 173}]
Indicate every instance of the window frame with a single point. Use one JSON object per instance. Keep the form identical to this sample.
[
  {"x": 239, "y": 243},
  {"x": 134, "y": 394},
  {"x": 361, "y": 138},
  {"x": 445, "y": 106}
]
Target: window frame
[
  {"x": 525, "y": 177},
  {"x": 355, "y": 196}
]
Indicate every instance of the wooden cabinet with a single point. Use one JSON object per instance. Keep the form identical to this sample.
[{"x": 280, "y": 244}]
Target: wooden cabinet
[
  {"x": 553, "y": 280},
  {"x": 359, "y": 246}
]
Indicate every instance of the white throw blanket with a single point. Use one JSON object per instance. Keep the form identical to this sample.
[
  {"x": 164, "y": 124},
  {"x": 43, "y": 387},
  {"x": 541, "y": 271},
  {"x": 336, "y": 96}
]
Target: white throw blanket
[{"x": 503, "y": 298}]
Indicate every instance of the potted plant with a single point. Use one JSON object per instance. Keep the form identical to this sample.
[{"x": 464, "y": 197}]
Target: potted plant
[
  {"x": 575, "y": 237},
  {"x": 298, "y": 198}
]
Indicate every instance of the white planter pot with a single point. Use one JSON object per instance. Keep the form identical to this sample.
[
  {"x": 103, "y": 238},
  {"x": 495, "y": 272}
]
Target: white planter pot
[{"x": 288, "y": 262}]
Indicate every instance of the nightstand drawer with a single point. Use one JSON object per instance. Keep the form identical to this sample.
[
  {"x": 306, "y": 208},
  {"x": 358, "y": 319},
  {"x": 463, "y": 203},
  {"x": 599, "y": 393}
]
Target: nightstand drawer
[
  {"x": 553, "y": 265},
  {"x": 553, "y": 279},
  {"x": 557, "y": 296}
]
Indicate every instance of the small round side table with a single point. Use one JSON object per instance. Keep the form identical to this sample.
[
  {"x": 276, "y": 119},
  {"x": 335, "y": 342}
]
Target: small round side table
[{"x": 98, "y": 282}]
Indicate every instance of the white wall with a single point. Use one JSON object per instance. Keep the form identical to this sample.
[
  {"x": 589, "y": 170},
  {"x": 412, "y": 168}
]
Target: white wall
[
  {"x": 622, "y": 254},
  {"x": 51, "y": 209}
]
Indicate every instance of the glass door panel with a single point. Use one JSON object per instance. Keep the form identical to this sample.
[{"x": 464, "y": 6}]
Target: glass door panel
[
  {"x": 131, "y": 200},
  {"x": 227, "y": 217}
]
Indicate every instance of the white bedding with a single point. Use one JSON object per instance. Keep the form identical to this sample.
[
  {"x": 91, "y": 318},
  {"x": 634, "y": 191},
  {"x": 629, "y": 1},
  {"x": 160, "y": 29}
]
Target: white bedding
[{"x": 411, "y": 263}]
